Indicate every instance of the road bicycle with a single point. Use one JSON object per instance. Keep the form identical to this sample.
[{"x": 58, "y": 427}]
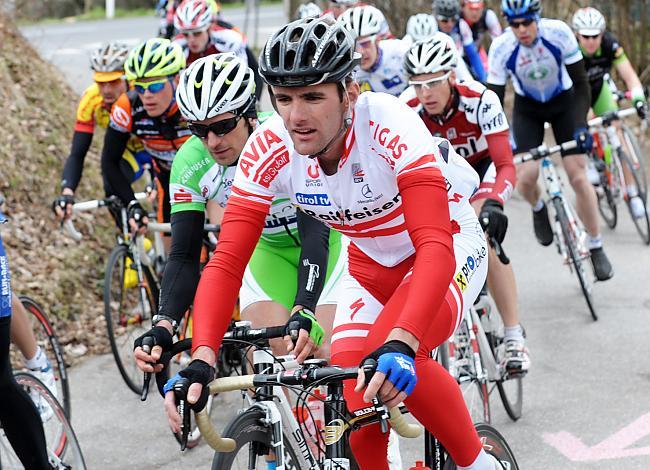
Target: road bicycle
[
  {"x": 268, "y": 429},
  {"x": 47, "y": 340},
  {"x": 615, "y": 165},
  {"x": 62, "y": 445},
  {"x": 569, "y": 233}
]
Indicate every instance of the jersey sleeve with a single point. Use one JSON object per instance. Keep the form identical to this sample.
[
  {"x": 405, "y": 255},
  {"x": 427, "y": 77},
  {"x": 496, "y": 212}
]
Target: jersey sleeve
[
  {"x": 568, "y": 44},
  {"x": 121, "y": 117},
  {"x": 616, "y": 51},
  {"x": 492, "y": 23},
  {"x": 88, "y": 103},
  {"x": 261, "y": 160},
  {"x": 185, "y": 192},
  {"x": 490, "y": 114},
  {"x": 497, "y": 72},
  {"x": 465, "y": 32}
]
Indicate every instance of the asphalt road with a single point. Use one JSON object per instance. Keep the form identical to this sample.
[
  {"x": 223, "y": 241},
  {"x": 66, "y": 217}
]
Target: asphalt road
[{"x": 586, "y": 406}]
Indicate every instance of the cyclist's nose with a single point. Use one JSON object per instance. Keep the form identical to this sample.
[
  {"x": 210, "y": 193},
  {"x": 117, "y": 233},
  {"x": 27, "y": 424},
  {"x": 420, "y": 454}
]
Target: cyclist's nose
[{"x": 213, "y": 140}]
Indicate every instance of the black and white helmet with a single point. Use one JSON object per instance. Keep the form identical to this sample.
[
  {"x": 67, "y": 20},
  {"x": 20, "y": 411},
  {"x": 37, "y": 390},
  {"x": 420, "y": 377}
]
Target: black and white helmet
[
  {"x": 345, "y": 3},
  {"x": 109, "y": 57},
  {"x": 308, "y": 52},
  {"x": 446, "y": 8},
  {"x": 421, "y": 26},
  {"x": 363, "y": 21},
  {"x": 216, "y": 84},
  {"x": 588, "y": 21},
  {"x": 433, "y": 55},
  {"x": 307, "y": 10}
]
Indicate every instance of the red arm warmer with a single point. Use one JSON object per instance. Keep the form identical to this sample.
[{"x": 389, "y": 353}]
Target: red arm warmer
[
  {"x": 426, "y": 212},
  {"x": 501, "y": 154},
  {"x": 221, "y": 279}
]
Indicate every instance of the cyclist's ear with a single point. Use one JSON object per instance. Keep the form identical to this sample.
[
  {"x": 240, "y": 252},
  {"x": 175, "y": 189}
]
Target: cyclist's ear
[{"x": 352, "y": 91}]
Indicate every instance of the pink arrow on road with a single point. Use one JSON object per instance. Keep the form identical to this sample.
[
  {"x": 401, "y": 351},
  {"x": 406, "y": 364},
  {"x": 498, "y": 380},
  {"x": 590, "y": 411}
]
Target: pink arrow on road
[{"x": 615, "y": 446}]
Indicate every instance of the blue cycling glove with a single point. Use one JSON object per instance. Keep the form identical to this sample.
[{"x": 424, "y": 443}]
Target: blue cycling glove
[
  {"x": 584, "y": 139},
  {"x": 397, "y": 360}
]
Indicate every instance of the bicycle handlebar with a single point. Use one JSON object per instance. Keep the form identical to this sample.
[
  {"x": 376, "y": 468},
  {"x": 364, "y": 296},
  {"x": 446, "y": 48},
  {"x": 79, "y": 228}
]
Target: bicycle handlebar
[
  {"x": 167, "y": 227},
  {"x": 544, "y": 151},
  {"x": 607, "y": 118}
]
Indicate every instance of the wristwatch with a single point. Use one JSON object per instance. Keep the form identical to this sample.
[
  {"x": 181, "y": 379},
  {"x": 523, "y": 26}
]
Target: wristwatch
[{"x": 158, "y": 318}]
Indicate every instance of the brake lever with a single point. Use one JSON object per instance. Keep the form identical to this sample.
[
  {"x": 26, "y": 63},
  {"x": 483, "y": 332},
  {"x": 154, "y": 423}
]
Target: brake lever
[
  {"x": 147, "y": 345},
  {"x": 180, "y": 392}
]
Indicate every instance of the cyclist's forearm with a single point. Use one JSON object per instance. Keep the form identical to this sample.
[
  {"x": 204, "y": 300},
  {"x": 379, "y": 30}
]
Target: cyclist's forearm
[
  {"x": 581, "y": 92},
  {"x": 312, "y": 268},
  {"x": 114, "y": 146},
  {"x": 501, "y": 154},
  {"x": 475, "y": 61},
  {"x": 182, "y": 270},
  {"x": 631, "y": 79},
  {"x": 73, "y": 168}
]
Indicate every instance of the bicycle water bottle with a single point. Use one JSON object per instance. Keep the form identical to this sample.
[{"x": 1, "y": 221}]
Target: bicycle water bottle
[{"x": 419, "y": 465}]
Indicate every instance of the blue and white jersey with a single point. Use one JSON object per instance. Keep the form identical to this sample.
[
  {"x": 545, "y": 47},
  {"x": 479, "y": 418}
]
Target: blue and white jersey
[
  {"x": 5, "y": 285},
  {"x": 538, "y": 71},
  {"x": 388, "y": 74}
]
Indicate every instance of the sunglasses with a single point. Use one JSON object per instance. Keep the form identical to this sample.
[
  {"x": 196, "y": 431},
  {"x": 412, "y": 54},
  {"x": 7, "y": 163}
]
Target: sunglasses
[
  {"x": 219, "y": 128},
  {"x": 432, "y": 82},
  {"x": 525, "y": 23},
  {"x": 589, "y": 37},
  {"x": 444, "y": 19},
  {"x": 153, "y": 87}
]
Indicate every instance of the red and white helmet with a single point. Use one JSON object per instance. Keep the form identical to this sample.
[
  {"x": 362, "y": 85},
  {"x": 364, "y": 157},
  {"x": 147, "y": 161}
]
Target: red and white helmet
[{"x": 193, "y": 15}]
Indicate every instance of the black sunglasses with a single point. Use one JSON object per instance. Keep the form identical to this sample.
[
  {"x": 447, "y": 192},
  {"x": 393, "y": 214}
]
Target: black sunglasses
[
  {"x": 589, "y": 36},
  {"x": 517, "y": 24},
  {"x": 219, "y": 128}
]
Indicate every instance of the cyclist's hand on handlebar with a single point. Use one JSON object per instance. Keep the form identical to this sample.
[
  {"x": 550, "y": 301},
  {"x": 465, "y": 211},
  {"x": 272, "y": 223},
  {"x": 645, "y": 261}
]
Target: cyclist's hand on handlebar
[
  {"x": 583, "y": 139},
  {"x": 162, "y": 342},
  {"x": 493, "y": 220},
  {"x": 137, "y": 218},
  {"x": 303, "y": 326},
  {"x": 62, "y": 206},
  {"x": 192, "y": 383},
  {"x": 641, "y": 108},
  {"x": 394, "y": 378}
]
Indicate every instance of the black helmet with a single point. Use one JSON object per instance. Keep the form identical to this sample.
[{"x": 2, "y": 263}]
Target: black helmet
[
  {"x": 446, "y": 8},
  {"x": 308, "y": 52}
]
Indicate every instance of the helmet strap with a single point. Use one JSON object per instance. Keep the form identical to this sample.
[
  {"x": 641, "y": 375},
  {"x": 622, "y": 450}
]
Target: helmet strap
[{"x": 346, "y": 122}]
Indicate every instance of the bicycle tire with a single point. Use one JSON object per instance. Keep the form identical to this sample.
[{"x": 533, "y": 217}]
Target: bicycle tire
[
  {"x": 62, "y": 443},
  {"x": 642, "y": 224},
  {"x": 247, "y": 428},
  {"x": 46, "y": 338},
  {"x": 607, "y": 200},
  {"x": 633, "y": 144},
  {"x": 576, "y": 263},
  {"x": 122, "y": 331}
]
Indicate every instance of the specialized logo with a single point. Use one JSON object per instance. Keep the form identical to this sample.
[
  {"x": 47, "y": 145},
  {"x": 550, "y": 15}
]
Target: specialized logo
[
  {"x": 313, "y": 199},
  {"x": 356, "y": 306}
]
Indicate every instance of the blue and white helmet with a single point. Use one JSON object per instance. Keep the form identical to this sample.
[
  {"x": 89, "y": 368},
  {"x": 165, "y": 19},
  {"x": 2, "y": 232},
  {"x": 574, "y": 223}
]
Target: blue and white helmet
[{"x": 521, "y": 8}]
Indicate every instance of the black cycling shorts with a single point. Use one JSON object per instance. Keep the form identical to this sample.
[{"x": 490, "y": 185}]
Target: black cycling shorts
[{"x": 529, "y": 116}]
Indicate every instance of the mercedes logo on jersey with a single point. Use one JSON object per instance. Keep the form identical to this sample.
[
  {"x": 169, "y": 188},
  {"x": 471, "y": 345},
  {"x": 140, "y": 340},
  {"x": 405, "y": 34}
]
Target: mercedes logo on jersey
[{"x": 366, "y": 191}]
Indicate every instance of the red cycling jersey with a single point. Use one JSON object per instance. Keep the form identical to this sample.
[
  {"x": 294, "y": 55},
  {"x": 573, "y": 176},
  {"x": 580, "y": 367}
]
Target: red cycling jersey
[{"x": 477, "y": 127}]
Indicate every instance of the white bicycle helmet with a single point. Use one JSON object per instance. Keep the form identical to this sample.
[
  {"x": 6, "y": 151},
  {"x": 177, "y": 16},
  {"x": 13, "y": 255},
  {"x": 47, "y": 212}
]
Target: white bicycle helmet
[
  {"x": 216, "y": 84},
  {"x": 345, "y": 3},
  {"x": 588, "y": 21},
  {"x": 193, "y": 15},
  {"x": 308, "y": 10},
  {"x": 363, "y": 21},
  {"x": 421, "y": 26},
  {"x": 433, "y": 55},
  {"x": 109, "y": 57}
]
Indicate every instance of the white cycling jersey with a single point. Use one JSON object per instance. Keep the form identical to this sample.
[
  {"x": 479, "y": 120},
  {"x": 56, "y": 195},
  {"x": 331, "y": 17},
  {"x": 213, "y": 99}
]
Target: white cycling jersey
[
  {"x": 539, "y": 71},
  {"x": 388, "y": 74},
  {"x": 362, "y": 200}
]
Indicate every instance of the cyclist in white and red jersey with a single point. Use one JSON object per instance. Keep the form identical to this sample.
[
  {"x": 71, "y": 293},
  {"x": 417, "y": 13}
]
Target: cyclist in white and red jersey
[
  {"x": 364, "y": 164},
  {"x": 472, "y": 118},
  {"x": 481, "y": 20},
  {"x": 381, "y": 67}
]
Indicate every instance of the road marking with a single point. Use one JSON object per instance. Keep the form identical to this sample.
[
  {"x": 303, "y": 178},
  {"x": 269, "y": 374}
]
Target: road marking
[{"x": 615, "y": 446}]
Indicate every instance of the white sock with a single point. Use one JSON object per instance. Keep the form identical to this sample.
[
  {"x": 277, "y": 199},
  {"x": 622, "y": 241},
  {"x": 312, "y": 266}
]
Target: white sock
[
  {"x": 513, "y": 332},
  {"x": 632, "y": 191},
  {"x": 539, "y": 205},
  {"x": 595, "y": 242},
  {"x": 39, "y": 361},
  {"x": 482, "y": 462}
]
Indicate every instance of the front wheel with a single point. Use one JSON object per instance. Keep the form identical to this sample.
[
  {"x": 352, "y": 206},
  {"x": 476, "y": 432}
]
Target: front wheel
[
  {"x": 253, "y": 439},
  {"x": 494, "y": 444},
  {"x": 641, "y": 221}
]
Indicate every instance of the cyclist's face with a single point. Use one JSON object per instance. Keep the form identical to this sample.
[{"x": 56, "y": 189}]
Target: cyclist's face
[
  {"x": 367, "y": 47},
  {"x": 590, "y": 44},
  {"x": 111, "y": 91},
  {"x": 197, "y": 41},
  {"x": 337, "y": 9},
  {"x": 313, "y": 115},
  {"x": 446, "y": 24},
  {"x": 472, "y": 14},
  {"x": 525, "y": 30},
  {"x": 225, "y": 149},
  {"x": 434, "y": 95},
  {"x": 157, "y": 103}
]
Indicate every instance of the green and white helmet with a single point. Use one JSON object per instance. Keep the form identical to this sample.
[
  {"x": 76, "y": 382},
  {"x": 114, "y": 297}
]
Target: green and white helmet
[
  {"x": 156, "y": 57},
  {"x": 216, "y": 84}
]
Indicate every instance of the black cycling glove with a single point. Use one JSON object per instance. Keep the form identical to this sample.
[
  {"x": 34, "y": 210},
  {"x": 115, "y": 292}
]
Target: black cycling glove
[{"x": 493, "y": 220}]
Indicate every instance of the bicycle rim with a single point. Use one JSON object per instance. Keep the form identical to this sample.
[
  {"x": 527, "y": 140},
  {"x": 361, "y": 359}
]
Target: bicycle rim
[
  {"x": 642, "y": 223},
  {"x": 48, "y": 342},
  {"x": 494, "y": 444},
  {"x": 633, "y": 145},
  {"x": 606, "y": 197},
  {"x": 126, "y": 317},
  {"x": 510, "y": 388},
  {"x": 575, "y": 259},
  {"x": 63, "y": 447},
  {"x": 253, "y": 439}
]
